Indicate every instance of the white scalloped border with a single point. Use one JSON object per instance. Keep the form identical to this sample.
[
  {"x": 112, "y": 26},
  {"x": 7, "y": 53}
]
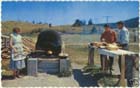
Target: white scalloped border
[
  {"x": 69, "y": 0},
  {"x": 62, "y": 1}
]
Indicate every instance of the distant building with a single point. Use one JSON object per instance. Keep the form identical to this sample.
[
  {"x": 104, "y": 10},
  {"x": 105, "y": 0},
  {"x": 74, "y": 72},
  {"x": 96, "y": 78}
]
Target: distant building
[
  {"x": 50, "y": 25},
  {"x": 91, "y": 29}
]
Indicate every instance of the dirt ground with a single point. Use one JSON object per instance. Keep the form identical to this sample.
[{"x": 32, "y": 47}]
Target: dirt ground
[{"x": 43, "y": 80}]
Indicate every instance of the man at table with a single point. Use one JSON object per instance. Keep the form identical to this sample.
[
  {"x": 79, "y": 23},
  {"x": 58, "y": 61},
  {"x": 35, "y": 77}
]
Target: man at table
[
  {"x": 108, "y": 36},
  {"x": 123, "y": 40}
]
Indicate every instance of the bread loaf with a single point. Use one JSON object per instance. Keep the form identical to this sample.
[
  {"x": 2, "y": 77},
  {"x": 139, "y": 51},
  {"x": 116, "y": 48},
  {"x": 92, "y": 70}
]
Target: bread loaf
[{"x": 112, "y": 47}]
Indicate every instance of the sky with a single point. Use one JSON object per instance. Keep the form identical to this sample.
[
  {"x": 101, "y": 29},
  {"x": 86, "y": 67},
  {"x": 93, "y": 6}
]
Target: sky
[{"x": 63, "y": 13}]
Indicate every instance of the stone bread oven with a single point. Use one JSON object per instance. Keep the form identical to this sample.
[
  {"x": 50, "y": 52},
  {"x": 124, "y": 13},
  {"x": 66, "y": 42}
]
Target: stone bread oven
[
  {"x": 49, "y": 55},
  {"x": 50, "y": 42}
]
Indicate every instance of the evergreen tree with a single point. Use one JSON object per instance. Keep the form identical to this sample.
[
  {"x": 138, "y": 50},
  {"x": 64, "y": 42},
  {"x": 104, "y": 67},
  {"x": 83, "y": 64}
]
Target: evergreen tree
[
  {"x": 33, "y": 22},
  {"x": 78, "y": 23},
  {"x": 90, "y": 22}
]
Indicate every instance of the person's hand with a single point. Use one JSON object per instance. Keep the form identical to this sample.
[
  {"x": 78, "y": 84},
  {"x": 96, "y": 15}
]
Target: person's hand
[
  {"x": 15, "y": 50},
  {"x": 103, "y": 40},
  {"x": 29, "y": 50},
  {"x": 118, "y": 43}
]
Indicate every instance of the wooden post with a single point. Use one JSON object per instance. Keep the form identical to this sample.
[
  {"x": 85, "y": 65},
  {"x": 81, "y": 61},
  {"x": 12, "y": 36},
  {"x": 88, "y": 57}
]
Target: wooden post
[
  {"x": 91, "y": 56},
  {"x": 5, "y": 42},
  {"x": 107, "y": 62},
  {"x": 115, "y": 66},
  {"x": 32, "y": 66},
  {"x": 122, "y": 77},
  {"x": 103, "y": 64}
]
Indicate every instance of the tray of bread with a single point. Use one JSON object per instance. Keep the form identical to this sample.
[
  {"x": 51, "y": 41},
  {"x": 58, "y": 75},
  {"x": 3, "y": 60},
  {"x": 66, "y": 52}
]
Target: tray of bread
[
  {"x": 112, "y": 47},
  {"x": 104, "y": 45},
  {"x": 99, "y": 44}
]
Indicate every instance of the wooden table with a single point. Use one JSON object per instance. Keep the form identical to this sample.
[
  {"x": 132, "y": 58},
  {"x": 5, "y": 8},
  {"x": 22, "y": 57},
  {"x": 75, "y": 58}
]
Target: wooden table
[{"x": 114, "y": 54}]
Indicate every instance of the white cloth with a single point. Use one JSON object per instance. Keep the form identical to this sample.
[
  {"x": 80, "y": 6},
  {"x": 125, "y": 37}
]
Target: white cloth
[{"x": 18, "y": 45}]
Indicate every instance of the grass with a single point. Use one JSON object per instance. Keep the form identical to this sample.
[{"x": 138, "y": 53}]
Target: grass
[
  {"x": 108, "y": 82},
  {"x": 76, "y": 47},
  {"x": 80, "y": 39},
  {"x": 77, "y": 53},
  {"x": 134, "y": 48},
  {"x": 27, "y": 27}
]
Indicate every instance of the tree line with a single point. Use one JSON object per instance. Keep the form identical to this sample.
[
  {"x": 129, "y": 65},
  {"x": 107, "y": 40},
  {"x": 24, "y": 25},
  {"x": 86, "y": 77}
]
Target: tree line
[{"x": 77, "y": 23}]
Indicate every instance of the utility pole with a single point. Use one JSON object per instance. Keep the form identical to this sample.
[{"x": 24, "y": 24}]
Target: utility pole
[{"x": 107, "y": 18}]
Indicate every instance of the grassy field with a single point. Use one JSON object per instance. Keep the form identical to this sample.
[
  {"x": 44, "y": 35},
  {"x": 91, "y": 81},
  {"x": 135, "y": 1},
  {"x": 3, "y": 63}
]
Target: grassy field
[
  {"x": 27, "y": 27},
  {"x": 77, "y": 48},
  {"x": 76, "y": 44}
]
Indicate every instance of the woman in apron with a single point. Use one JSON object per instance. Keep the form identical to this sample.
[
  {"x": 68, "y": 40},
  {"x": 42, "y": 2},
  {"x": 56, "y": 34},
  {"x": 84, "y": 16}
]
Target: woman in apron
[{"x": 17, "y": 55}]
